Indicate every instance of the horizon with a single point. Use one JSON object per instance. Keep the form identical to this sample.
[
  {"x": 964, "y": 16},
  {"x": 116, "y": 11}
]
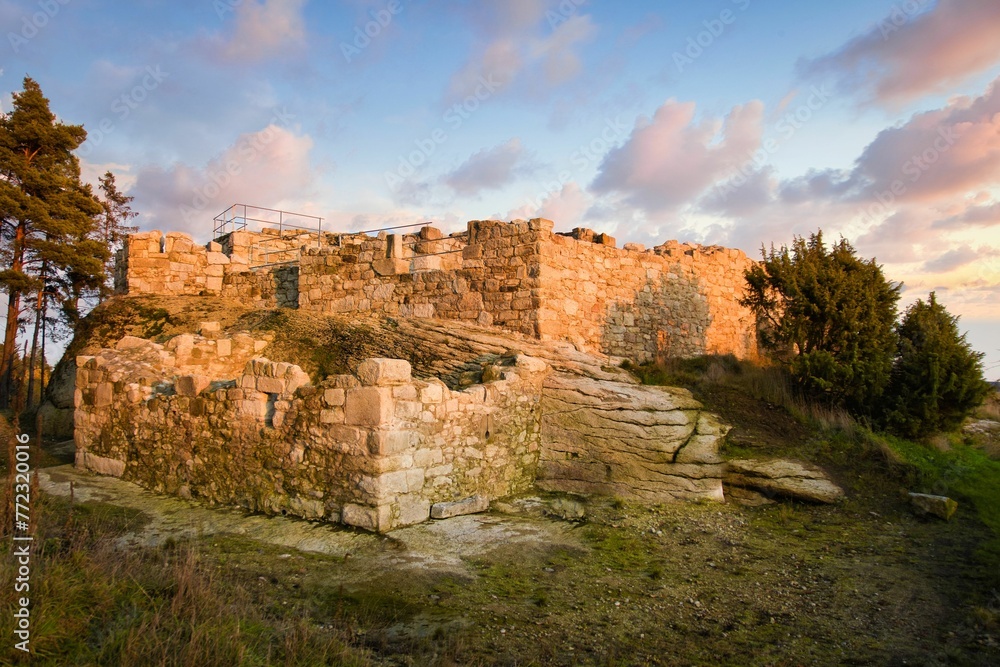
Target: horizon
[{"x": 735, "y": 122}]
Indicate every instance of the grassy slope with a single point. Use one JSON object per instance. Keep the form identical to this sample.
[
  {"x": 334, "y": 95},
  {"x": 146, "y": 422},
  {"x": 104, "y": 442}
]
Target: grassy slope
[{"x": 770, "y": 421}]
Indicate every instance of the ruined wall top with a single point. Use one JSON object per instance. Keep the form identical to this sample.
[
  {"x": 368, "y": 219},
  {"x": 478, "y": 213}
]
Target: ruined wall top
[{"x": 674, "y": 299}]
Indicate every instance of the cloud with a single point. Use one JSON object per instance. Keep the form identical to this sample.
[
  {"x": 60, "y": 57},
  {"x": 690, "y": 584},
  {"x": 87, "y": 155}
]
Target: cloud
[
  {"x": 670, "y": 160},
  {"x": 513, "y": 51},
  {"x": 936, "y": 157},
  {"x": 913, "y": 51},
  {"x": 265, "y": 29},
  {"x": 566, "y": 207},
  {"x": 489, "y": 169},
  {"x": 974, "y": 216},
  {"x": 951, "y": 260},
  {"x": 267, "y": 168}
]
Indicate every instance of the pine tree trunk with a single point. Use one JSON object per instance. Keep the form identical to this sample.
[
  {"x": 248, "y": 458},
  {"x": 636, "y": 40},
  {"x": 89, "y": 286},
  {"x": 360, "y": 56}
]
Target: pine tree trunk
[
  {"x": 10, "y": 331},
  {"x": 34, "y": 351},
  {"x": 45, "y": 322},
  {"x": 9, "y": 350}
]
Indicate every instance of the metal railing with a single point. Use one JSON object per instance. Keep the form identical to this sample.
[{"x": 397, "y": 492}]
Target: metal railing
[
  {"x": 412, "y": 244},
  {"x": 241, "y": 217},
  {"x": 262, "y": 220}
]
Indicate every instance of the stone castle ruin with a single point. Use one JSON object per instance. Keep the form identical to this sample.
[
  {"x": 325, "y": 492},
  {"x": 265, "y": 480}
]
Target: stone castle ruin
[{"x": 548, "y": 316}]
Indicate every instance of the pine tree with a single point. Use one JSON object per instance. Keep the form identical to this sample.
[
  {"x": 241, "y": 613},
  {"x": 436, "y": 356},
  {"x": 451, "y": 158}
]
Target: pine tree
[
  {"x": 937, "y": 379},
  {"x": 114, "y": 224},
  {"x": 829, "y": 316},
  {"x": 46, "y": 213}
]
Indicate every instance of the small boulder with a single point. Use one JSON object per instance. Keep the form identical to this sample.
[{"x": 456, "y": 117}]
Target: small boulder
[
  {"x": 473, "y": 505},
  {"x": 783, "y": 477},
  {"x": 939, "y": 506}
]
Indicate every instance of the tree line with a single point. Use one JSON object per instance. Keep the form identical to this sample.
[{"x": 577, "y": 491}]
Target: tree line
[
  {"x": 831, "y": 319},
  {"x": 57, "y": 237}
]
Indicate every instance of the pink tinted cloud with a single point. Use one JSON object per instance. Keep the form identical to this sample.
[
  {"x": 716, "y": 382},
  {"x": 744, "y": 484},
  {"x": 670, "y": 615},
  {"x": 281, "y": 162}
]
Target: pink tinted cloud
[
  {"x": 671, "y": 159},
  {"x": 915, "y": 51},
  {"x": 266, "y": 168},
  {"x": 265, "y": 29},
  {"x": 566, "y": 207},
  {"x": 940, "y": 154}
]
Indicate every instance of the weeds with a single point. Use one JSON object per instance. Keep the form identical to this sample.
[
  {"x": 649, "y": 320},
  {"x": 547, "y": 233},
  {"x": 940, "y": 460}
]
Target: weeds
[{"x": 99, "y": 603}]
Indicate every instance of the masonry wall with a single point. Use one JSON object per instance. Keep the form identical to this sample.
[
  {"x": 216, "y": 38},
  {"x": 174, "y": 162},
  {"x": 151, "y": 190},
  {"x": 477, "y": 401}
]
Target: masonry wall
[
  {"x": 493, "y": 280},
  {"x": 671, "y": 300},
  {"x": 675, "y": 300},
  {"x": 377, "y": 450},
  {"x": 174, "y": 265}
]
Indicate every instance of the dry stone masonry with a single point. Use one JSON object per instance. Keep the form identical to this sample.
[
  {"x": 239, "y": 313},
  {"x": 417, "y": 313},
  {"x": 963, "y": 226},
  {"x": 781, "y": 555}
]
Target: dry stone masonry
[
  {"x": 671, "y": 300},
  {"x": 377, "y": 450}
]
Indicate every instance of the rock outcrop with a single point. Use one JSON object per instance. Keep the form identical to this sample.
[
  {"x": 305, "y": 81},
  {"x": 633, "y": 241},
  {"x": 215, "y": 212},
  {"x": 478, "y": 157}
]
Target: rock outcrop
[
  {"x": 652, "y": 444},
  {"x": 784, "y": 478}
]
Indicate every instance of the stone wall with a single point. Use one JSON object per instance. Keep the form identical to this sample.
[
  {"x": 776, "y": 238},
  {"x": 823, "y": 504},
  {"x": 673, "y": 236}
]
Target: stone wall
[
  {"x": 676, "y": 300},
  {"x": 494, "y": 279},
  {"x": 377, "y": 450},
  {"x": 672, "y": 300},
  {"x": 174, "y": 265}
]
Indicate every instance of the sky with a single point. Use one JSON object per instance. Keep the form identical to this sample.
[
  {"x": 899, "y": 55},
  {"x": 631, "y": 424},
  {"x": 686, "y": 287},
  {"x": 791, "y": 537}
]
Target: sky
[{"x": 735, "y": 122}]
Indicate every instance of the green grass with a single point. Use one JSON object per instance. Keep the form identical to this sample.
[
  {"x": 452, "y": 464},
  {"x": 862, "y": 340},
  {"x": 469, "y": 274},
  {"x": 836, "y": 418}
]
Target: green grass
[
  {"x": 97, "y": 603},
  {"x": 962, "y": 472},
  {"x": 753, "y": 397}
]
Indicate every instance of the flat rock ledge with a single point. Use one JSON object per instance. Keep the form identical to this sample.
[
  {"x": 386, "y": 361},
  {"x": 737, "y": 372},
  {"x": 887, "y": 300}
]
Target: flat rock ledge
[{"x": 783, "y": 478}]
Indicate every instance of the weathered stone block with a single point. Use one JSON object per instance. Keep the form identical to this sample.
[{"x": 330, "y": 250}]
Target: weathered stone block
[
  {"x": 191, "y": 385},
  {"x": 375, "y": 519},
  {"x": 368, "y": 406},
  {"x": 412, "y": 509},
  {"x": 131, "y": 343},
  {"x": 391, "y": 266},
  {"x": 387, "y": 443},
  {"x": 99, "y": 464},
  {"x": 334, "y": 397},
  {"x": 384, "y": 372},
  {"x": 103, "y": 394},
  {"x": 335, "y": 416},
  {"x": 473, "y": 505},
  {"x": 270, "y": 385}
]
